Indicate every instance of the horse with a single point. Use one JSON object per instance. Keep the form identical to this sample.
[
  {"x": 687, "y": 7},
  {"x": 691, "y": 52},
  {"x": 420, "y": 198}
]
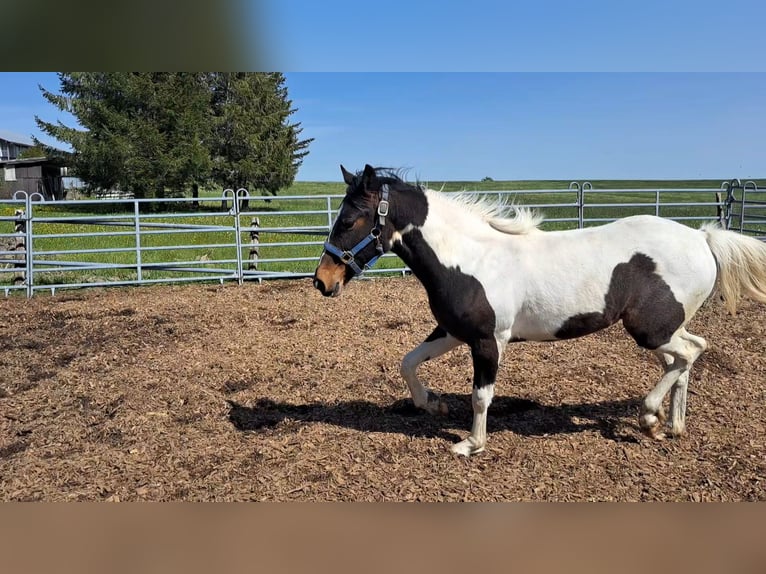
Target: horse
[{"x": 494, "y": 278}]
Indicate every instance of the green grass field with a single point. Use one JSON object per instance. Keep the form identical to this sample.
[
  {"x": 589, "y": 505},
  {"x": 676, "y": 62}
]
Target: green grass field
[{"x": 115, "y": 245}]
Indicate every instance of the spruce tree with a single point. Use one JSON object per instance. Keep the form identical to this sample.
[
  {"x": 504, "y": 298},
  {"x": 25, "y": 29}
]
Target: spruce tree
[
  {"x": 154, "y": 133},
  {"x": 254, "y": 145}
]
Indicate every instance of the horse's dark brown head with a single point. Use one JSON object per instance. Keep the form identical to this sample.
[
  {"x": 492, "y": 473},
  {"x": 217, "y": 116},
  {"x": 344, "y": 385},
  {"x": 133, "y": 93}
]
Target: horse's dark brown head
[{"x": 346, "y": 253}]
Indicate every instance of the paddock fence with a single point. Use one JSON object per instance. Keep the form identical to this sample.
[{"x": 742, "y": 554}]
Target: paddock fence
[{"x": 118, "y": 241}]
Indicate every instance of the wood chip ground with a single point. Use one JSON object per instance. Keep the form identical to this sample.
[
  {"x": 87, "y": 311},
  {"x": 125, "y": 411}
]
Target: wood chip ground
[{"x": 271, "y": 392}]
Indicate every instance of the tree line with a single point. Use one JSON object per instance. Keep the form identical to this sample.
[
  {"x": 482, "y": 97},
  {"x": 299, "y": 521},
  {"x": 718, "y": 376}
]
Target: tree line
[{"x": 166, "y": 134}]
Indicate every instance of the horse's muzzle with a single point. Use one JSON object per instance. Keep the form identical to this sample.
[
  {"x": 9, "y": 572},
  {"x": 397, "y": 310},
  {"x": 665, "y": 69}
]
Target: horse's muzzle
[{"x": 328, "y": 292}]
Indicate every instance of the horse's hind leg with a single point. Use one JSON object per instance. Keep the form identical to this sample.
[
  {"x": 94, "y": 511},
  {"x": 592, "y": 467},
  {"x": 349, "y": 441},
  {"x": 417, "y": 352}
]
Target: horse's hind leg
[
  {"x": 652, "y": 418},
  {"x": 679, "y": 391},
  {"x": 437, "y": 343},
  {"x": 678, "y": 405},
  {"x": 665, "y": 362},
  {"x": 678, "y": 355}
]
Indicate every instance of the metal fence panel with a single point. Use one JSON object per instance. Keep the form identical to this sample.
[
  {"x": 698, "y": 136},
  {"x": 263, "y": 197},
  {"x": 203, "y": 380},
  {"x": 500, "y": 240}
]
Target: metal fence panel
[{"x": 128, "y": 241}]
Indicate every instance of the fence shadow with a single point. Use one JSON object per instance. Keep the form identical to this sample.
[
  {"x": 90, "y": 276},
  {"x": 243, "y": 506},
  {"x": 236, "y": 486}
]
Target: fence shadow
[{"x": 522, "y": 416}]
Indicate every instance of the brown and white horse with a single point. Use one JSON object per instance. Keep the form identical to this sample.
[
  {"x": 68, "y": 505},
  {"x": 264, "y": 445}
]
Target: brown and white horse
[{"x": 492, "y": 280}]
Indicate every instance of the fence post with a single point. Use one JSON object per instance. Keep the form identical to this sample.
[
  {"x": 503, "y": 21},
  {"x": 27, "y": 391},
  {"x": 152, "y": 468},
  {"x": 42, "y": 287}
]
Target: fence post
[
  {"x": 753, "y": 188},
  {"x": 732, "y": 185},
  {"x": 17, "y": 245},
  {"x": 742, "y": 210},
  {"x": 723, "y": 210},
  {"x": 241, "y": 193},
  {"x": 581, "y": 213},
  {"x": 329, "y": 213},
  {"x": 254, "y": 245},
  {"x": 28, "y": 245},
  {"x": 137, "y": 223},
  {"x": 575, "y": 186},
  {"x": 657, "y": 202}
]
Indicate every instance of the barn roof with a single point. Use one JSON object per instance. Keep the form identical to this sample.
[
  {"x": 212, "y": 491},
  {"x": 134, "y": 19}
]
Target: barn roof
[
  {"x": 33, "y": 161},
  {"x": 15, "y": 138}
]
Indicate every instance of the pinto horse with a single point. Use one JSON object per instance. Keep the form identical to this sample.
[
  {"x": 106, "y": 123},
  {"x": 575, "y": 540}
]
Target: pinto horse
[{"x": 493, "y": 280}]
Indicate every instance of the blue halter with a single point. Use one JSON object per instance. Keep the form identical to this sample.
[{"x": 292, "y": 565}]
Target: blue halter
[{"x": 347, "y": 257}]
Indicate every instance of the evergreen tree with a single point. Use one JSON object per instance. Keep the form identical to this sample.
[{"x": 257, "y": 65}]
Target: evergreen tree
[
  {"x": 185, "y": 98},
  {"x": 34, "y": 151},
  {"x": 85, "y": 95},
  {"x": 153, "y": 132},
  {"x": 254, "y": 145},
  {"x": 143, "y": 132}
]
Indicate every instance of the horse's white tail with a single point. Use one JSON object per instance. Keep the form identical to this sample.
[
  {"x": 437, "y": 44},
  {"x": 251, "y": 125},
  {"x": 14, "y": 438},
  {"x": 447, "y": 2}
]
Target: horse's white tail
[{"x": 741, "y": 262}]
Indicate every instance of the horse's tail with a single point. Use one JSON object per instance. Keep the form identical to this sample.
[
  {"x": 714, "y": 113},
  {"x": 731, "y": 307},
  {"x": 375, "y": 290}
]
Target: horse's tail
[{"x": 741, "y": 262}]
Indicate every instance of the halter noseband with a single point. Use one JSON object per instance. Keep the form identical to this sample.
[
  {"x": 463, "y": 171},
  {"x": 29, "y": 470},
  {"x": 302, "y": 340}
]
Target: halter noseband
[{"x": 347, "y": 257}]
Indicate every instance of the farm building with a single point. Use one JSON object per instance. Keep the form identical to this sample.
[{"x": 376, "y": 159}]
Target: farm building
[
  {"x": 33, "y": 175},
  {"x": 11, "y": 145}
]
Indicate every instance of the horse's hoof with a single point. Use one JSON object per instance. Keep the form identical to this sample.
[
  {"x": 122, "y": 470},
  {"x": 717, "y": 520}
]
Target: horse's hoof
[
  {"x": 677, "y": 432},
  {"x": 466, "y": 448},
  {"x": 435, "y": 405},
  {"x": 652, "y": 426},
  {"x": 655, "y": 434}
]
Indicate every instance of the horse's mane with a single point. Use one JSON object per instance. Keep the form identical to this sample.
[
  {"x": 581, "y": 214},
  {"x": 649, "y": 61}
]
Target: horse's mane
[
  {"x": 521, "y": 221},
  {"x": 397, "y": 177}
]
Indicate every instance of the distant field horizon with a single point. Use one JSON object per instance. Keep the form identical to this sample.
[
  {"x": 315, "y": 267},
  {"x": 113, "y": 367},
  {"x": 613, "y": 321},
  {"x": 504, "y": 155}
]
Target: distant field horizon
[
  {"x": 328, "y": 187},
  {"x": 652, "y": 180}
]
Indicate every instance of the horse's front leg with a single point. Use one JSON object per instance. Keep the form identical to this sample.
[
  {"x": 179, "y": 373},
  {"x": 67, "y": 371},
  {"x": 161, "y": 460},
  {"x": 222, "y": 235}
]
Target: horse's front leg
[
  {"x": 486, "y": 358},
  {"x": 437, "y": 343}
]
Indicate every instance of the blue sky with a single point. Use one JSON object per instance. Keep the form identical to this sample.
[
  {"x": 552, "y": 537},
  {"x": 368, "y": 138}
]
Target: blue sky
[
  {"x": 535, "y": 125},
  {"x": 466, "y": 126},
  {"x": 544, "y": 89}
]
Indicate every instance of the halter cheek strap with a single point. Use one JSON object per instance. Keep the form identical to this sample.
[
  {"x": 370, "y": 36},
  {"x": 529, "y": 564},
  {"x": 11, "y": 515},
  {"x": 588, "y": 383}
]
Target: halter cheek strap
[{"x": 347, "y": 257}]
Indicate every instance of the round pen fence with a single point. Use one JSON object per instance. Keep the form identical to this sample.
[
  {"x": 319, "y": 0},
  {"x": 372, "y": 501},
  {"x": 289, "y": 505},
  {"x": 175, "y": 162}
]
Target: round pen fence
[{"x": 45, "y": 246}]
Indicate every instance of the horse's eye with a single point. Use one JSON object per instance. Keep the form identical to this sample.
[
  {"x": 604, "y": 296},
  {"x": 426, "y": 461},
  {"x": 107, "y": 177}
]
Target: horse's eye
[{"x": 346, "y": 224}]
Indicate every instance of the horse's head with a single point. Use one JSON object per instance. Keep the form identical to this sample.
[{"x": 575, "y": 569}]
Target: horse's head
[{"x": 355, "y": 241}]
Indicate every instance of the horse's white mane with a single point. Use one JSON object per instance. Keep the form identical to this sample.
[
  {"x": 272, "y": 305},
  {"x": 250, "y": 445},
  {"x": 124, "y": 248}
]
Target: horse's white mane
[{"x": 522, "y": 220}]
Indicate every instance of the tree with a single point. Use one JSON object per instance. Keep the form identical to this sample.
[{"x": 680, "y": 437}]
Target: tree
[
  {"x": 254, "y": 145},
  {"x": 186, "y": 102},
  {"x": 152, "y": 132},
  {"x": 32, "y": 151},
  {"x": 142, "y": 132}
]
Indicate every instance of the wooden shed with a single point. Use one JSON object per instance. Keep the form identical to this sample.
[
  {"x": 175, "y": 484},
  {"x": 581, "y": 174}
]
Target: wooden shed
[{"x": 34, "y": 175}]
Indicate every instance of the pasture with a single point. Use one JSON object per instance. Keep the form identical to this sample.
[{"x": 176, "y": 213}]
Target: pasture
[{"x": 271, "y": 392}]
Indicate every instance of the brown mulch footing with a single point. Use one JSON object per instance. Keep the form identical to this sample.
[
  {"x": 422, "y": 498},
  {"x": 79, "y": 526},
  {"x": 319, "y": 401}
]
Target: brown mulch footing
[{"x": 271, "y": 392}]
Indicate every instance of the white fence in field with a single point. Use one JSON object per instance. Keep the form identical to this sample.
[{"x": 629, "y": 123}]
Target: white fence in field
[{"x": 45, "y": 246}]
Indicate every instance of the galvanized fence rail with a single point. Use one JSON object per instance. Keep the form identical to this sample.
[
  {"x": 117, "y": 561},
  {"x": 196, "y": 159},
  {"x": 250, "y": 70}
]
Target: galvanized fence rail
[
  {"x": 747, "y": 208},
  {"x": 45, "y": 246}
]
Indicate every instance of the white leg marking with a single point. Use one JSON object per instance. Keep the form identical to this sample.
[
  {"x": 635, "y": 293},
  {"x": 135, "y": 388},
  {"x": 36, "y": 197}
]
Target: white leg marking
[
  {"x": 679, "y": 391},
  {"x": 651, "y": 417},
  {"x": 477, "y": 440},
  {"x": 666, "y": 361},
  {"x": 421, "y": 396},
  {"x": 683, "y": 349},
  {"x": 678, "y": 405}
]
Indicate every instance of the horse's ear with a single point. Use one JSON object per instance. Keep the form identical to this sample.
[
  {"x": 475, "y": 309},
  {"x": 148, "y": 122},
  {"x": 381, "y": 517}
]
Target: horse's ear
[
  {"x": 348, "y": 177},
  {"x": 368, "y": 175}
]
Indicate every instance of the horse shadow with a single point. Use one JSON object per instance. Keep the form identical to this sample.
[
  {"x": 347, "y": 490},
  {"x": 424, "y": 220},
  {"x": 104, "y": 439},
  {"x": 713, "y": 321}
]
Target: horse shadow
[{"x": 522, "y": 416}]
